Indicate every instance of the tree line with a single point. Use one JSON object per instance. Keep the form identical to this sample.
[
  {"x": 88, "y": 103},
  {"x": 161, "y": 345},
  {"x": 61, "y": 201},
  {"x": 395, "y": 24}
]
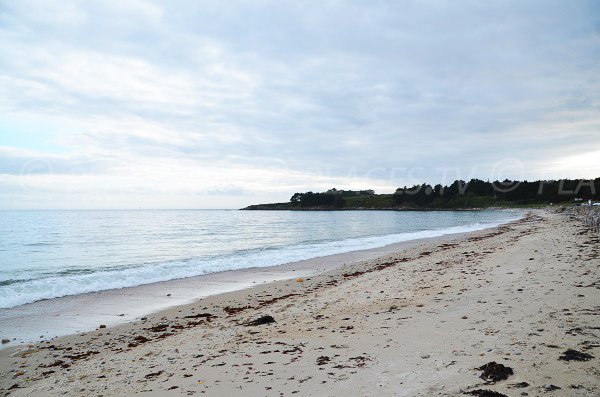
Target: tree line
[{"x": 475, "y": 192}]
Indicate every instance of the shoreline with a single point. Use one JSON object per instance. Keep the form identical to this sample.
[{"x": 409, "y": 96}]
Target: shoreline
[
  {"x": 62, "y": 316},
  {"x": 287, "y": 207},
  {"x": 418, "y": 323},
  {"x": 137, "y": 271}
]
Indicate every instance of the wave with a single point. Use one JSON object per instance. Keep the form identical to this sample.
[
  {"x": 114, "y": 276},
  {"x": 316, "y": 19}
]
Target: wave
[{"x": 78, "y": 281}]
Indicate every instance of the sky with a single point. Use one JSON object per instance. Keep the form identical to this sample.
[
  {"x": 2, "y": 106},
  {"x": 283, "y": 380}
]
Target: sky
[{"x": 212, "y": 104}]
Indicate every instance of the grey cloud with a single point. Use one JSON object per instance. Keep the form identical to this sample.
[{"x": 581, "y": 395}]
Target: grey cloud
[
  {"x": 24, "y": 164},
  {"x": 338, "y": 87}
]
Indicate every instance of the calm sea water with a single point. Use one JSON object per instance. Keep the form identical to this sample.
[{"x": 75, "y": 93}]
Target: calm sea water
[{"x": 47, "y": 254}]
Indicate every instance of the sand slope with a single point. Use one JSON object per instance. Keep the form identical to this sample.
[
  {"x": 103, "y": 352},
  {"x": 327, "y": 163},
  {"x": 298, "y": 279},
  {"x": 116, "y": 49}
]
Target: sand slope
[{"x": 416, "y": 323}]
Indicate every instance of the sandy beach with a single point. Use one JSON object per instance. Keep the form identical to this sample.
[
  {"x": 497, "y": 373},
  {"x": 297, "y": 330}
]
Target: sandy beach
[{"x": 426, "y": 320}]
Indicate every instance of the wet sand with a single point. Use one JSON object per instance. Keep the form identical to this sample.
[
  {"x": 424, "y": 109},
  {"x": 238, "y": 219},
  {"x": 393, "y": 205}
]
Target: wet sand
[{"x": 417, "y": 322}]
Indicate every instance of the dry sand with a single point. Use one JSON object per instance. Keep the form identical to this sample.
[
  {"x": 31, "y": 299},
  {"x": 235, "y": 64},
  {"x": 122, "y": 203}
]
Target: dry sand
[{"x": 415, "y": 323}]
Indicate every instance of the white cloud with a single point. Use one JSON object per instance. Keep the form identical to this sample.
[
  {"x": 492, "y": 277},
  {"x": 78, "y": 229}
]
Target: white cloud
[{"x": 177, "y": 103}]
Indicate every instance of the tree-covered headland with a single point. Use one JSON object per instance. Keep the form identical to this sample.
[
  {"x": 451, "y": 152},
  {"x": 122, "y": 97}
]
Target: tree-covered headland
[{"x": 458, "y": 195}]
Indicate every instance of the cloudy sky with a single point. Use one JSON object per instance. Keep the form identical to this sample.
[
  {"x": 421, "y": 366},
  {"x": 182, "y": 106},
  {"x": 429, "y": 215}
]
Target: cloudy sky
[{"x": 202, "y": 104}]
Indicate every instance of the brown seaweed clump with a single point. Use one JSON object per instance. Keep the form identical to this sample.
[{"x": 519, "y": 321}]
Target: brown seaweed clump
[{"x": 494, "y": 372}]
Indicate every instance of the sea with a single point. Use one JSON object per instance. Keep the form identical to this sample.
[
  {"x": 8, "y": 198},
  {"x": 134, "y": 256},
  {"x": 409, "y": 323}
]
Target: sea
[{"x": 51, "y": 254}]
